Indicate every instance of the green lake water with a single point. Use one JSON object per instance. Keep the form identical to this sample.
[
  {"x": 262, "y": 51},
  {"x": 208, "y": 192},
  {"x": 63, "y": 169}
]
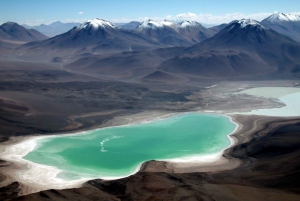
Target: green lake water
[{"x": 119, "y": 151}]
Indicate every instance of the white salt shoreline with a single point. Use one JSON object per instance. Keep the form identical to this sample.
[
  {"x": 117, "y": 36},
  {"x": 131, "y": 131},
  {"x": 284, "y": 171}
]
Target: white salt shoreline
[{"x": 40, "y": 177}]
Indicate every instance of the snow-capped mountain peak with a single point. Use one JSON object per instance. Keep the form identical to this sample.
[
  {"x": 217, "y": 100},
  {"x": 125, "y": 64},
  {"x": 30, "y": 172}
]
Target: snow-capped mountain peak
[
  {"x": 187, "y": 23},
  {"x": 286, "y": 24},
  {"x": 96, "y": 23},
  {"x": 246, "y": 22},
  {"x": 282, "y": 17},
  {"x": 150, "y": 24},
  {"x": 168, "y": 23}
]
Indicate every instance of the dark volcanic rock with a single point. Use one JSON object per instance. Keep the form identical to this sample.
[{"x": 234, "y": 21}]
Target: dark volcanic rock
[{"x": 9, "y": 192}]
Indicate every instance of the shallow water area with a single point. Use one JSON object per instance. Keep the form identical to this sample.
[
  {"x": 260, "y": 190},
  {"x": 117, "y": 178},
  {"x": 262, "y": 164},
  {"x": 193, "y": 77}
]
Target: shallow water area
[
  {"x": 290, "y": 96},
  {"x": 116, "y": 152}
]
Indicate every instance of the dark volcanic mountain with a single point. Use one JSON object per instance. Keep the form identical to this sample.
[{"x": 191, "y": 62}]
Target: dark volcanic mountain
[
  {"x": 286, "y": 24},
  {"x": 243, "y": 48},
  {"x": 162, "y": 33},
  {"x": 194, "y": 31},
  {"x": 11, "y": 31},
  {"x": 96, "y": 36}
]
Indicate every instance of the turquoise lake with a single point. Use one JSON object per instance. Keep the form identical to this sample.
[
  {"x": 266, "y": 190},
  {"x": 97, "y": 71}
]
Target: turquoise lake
[{"x": 119, "y": 151}]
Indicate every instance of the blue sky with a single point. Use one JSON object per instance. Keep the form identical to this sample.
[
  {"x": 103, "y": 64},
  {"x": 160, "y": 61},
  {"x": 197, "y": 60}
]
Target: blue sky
[{"x": 34, "y": 12}]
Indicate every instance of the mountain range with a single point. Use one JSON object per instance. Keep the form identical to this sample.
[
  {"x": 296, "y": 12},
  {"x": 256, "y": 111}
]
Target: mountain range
[
  {"x": 287, "y": 24},
  {"x": 99, "y": 36},
  {"x": 174, "y": 50},
  {"x": 244, "y": 47},
  {"x": 93, "y": 36}
]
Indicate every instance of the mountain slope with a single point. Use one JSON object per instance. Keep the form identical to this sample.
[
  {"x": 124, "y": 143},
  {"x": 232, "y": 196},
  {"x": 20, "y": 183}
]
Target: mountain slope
[
  {"x": 132, "y": 65},
  {"x": 163, "y": 77},
  {"x": 13, "y": 32},
  {"x": 243, "y": 48},
  {"x": 286, "y": 24},
  {"x": 194, "y": 31}
]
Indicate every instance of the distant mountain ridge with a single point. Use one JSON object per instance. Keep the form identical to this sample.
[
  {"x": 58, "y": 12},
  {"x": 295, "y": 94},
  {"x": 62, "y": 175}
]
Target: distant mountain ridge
[{"x": 54, "y": 28}]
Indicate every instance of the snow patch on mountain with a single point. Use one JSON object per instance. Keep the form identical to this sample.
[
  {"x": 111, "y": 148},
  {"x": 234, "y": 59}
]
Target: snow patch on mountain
[
  {"x": 96, "y": 23},
  {"x": 246, "y": 22},
  {"x": 279, "y": 17},
  {"x": 185, "y": 24},
  {"x": 168, "y": 23},
  {"x": 150, "y": 24}
]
